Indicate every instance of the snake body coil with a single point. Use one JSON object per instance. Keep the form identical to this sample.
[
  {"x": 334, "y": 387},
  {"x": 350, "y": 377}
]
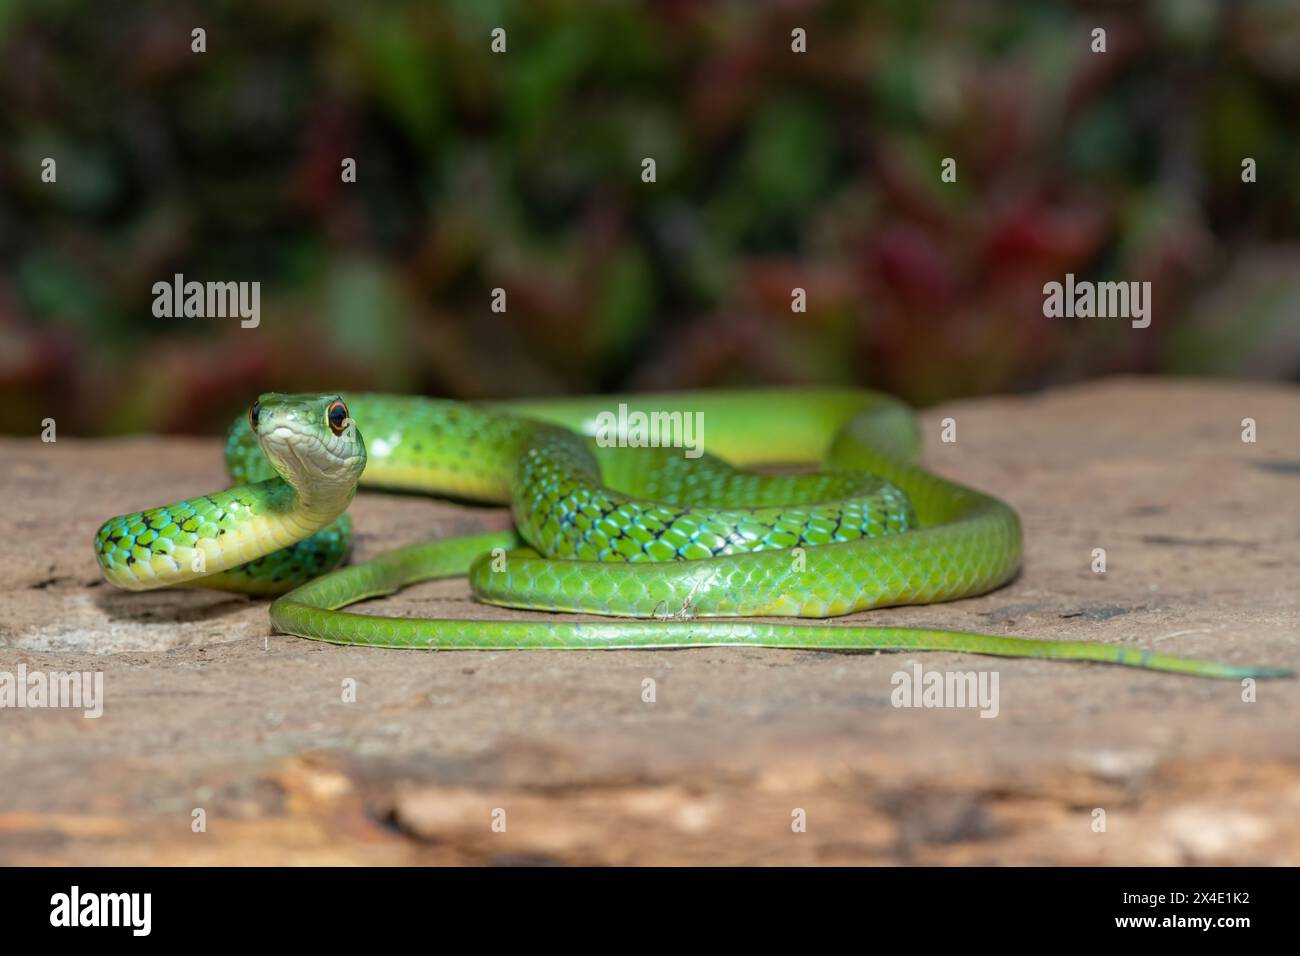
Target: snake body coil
[{"x": 641, "y": 532}]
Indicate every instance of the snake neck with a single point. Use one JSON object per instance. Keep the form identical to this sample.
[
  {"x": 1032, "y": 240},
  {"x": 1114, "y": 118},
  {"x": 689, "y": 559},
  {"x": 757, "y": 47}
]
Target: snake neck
[
  {"x": 317, "y": 503},
  {"x": 315, "y": 489}
]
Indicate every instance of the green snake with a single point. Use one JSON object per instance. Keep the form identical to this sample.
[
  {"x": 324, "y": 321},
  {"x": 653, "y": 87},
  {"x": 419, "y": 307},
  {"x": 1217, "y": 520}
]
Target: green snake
[{"x": 678, "y": 548}]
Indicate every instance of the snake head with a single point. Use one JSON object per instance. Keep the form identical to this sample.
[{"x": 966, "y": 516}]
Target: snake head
[{"x": 311, "y": 441}]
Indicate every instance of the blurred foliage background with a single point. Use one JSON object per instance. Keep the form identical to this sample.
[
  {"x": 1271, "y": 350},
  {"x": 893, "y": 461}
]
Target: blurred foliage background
[{"x": 522, "y": 170}]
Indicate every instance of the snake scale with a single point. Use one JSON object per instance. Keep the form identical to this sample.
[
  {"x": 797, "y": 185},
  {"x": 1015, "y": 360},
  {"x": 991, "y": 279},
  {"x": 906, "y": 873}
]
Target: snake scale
[{"x": 672, "y": 551}]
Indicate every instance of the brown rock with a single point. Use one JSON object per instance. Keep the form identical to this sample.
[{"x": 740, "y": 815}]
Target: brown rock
[{"x": 204, "y": 708}]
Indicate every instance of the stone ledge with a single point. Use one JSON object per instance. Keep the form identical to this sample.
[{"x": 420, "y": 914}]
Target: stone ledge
[{"x": 204, "y": 708}]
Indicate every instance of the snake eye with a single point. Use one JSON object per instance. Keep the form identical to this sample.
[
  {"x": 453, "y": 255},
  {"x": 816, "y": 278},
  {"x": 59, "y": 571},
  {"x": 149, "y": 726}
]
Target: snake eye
[
  {"x": 253, "y": 411},
  {"x": 337, "y": 416}
]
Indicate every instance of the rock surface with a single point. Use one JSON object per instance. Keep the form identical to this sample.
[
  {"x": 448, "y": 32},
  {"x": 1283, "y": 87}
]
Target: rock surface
[{"x": 206, "y": 710}]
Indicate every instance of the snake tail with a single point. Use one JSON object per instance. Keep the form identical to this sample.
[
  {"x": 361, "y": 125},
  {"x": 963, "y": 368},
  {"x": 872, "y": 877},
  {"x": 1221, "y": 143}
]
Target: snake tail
[{"x": 313, "y": 611}]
